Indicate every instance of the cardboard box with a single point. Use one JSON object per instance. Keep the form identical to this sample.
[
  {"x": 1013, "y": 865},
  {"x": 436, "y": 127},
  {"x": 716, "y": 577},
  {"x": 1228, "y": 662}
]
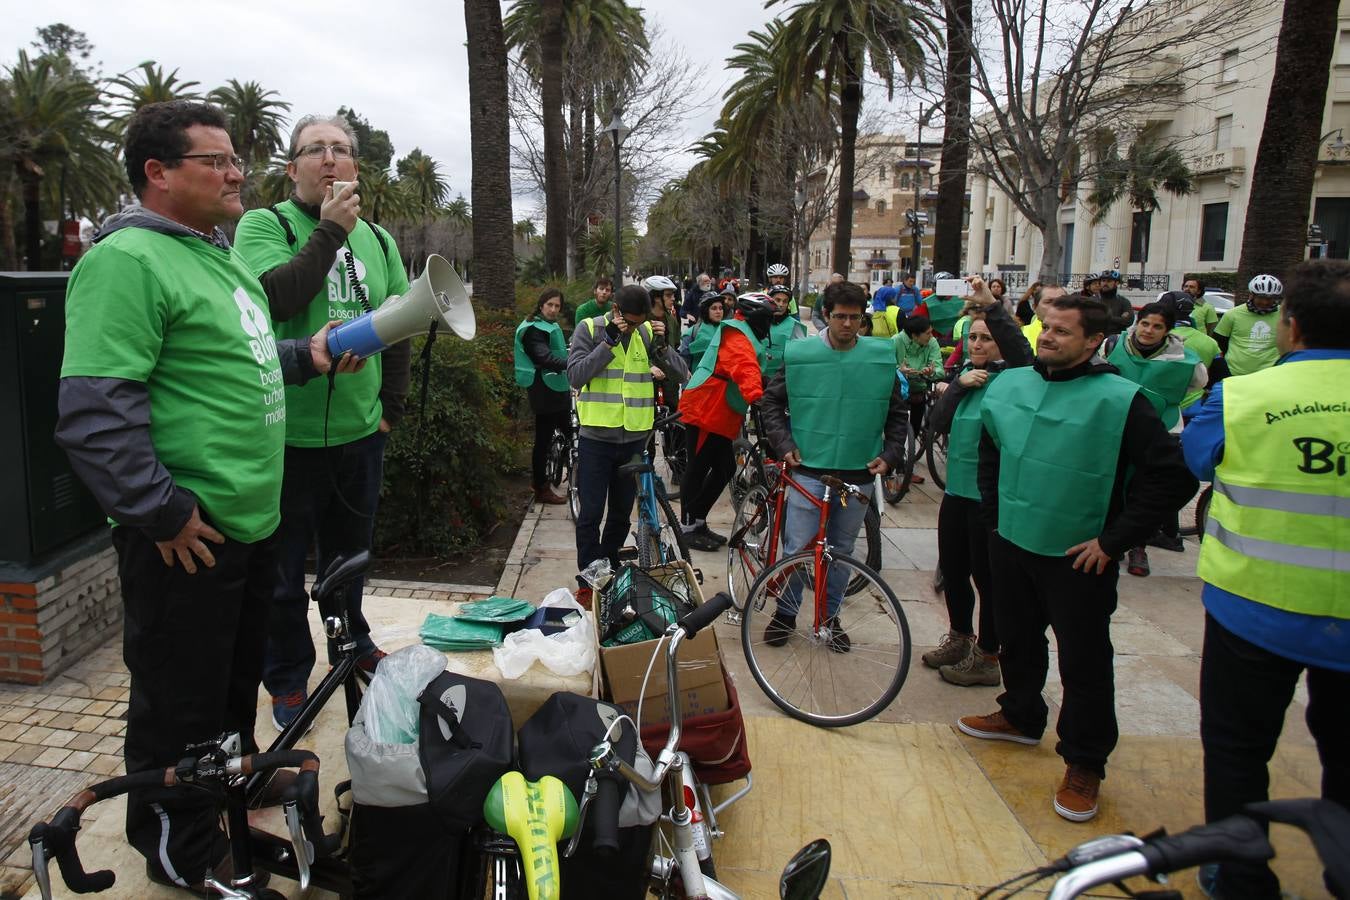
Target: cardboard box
[{"x": 702, "y": 685}]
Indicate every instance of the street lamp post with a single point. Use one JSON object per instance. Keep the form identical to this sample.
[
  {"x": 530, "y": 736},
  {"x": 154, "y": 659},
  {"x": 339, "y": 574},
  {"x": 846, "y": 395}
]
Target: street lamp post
[
  {"x": 617, "y": 131},
  {"x": 799, "y": 250},
  {"x": 916, "y": 223}
]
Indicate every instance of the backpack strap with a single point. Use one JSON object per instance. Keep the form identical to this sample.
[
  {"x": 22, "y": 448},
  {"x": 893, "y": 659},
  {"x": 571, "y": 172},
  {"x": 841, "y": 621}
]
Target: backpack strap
[
  {"x": 430, "y": 700},
  {"x": 285, "y": 225},
  {"x": 379, "y": 236}
]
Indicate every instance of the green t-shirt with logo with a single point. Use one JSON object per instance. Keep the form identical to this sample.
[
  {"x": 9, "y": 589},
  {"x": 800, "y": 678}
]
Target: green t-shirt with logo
[
  {"x": 190, "y": 321},
  {"x": 1251, "y": 339},
  {"x": 355, "y": 410}
]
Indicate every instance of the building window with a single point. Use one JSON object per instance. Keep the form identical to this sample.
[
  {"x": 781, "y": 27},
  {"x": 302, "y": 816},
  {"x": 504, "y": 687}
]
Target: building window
[
  {"x": 1332, "y": 215},
  {"x": 1213, "y": 231},
  {"x": 986, "y": 247},
  {"x": 1140, "y": 231},
  {"x": 881, "y": 206},
  {"x": 1223, "y": 132},
  {"x": 1343, "y": 49},
  {"x": 1228, "y": 67},
  {"x": 904, "y": 181}
]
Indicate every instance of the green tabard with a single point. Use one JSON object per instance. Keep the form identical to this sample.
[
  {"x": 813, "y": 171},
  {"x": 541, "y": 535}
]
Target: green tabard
[
  {"x": 1163, "y": 381},
  {"x": 1059, "y": 445},
  {"x": 944, "y": 313},
  {"x": 525, "y": 368},
  {"x": 789, "y": 329},
  {"x": 839, "y": 400},
  {"x": 708, "y": 362},
  {"x": 698, "y": 344},
  {"x": 963, "y": 444}
]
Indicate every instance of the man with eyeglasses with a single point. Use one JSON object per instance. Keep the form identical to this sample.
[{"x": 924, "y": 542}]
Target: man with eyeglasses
[
  {"x": 318, "y": 261},
  {"x": 173, "y": 413},
  {"x": 846, "y": 420}
]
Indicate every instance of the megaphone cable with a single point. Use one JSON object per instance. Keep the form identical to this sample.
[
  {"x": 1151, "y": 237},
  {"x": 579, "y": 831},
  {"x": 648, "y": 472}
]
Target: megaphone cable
[{"x": 358, "y": 288}]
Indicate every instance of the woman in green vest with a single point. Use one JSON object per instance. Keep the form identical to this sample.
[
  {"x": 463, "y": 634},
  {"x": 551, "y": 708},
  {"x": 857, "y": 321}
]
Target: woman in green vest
[
  {"x": 963, "y": 537},
  {"x": 697, "y": 339},
  {"x": 541, "y": 368},
  {"x": 1151, "y": 356}
]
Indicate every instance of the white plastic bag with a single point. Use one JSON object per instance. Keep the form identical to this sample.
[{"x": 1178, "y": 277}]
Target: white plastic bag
[
  {"x": 570, "y": 652},
  {"x": 390, "y": 705}
]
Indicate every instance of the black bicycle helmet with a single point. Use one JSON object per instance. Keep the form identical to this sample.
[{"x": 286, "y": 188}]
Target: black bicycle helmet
[
  {"x": 757, "y": 309},
  {"x": 705, "y": 303}
]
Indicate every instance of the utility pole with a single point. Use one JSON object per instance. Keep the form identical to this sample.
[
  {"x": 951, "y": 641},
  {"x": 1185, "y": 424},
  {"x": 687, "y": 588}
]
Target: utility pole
[{"x": 916, "y": 217}]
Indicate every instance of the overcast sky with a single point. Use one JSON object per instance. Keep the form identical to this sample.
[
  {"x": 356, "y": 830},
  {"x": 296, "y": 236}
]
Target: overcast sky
[{"x": 399, "y": 63}]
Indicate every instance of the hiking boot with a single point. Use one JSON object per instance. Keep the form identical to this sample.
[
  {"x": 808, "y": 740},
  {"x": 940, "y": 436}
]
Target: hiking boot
[
  {"x": 977, "y": 668},
  {"x": 546, "y": 495},
  {"x": 994, "y": 727},
  {"x": 371, "y": 661},
  {"x": 698, "y": 540},
  {"x": 1076, "y": 799},
  {"x": 955, "y": 647},
  {"x": 1167, "y": 542},
  {"x": 1136, "y": 563},
  {"x": 709, "y": 533},
  {"x": 779, "y": 629},
  {"x": 286, "y": 707},
  {"x": 839, "y": 641}
]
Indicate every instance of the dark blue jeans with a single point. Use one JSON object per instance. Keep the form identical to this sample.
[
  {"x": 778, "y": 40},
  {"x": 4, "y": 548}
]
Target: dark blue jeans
[
  {"x": 598, "y": 478},
  {"x": 312, "y": 513}
]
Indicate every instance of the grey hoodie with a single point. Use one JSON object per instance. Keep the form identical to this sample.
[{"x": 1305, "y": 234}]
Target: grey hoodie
[{"x": 104, "y": 423}]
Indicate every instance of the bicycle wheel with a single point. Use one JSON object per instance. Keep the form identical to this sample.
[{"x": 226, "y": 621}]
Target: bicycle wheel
[
  {"x": 748, "y": 546},
  {"x": 746, "y": 475},
  {"x": 573, "y": 493},
  {"x": 674, "y": 453},
  {"x": 826, "y": 676},
  {"x": 555, "y": 463},
  {"x": 872, "y": 533},
  {"x": 895, "y": 484},
  {"x": 935, "y": 449},
  {"x": 1202, "y": 511}
]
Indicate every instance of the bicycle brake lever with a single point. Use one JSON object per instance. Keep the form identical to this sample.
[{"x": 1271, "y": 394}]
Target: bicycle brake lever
[
  {"x": 304, "y": 850},
  {"x": 587, "y": 795},
  {"x": 40, "y": 873}
]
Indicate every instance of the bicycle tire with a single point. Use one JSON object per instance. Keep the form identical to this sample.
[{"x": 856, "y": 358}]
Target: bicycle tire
[
  {"x": 747, "y": 473},
  {"x": 872, "y": 533},
  {"x": 556, "y": 462},
  {"x": 747, "y": 547},
  {"x": 673, "y": 526},
  {"x": 648, "y": 548},
  {"x": 805, "y": 677},
  {"x": 935, "y": 452},
  {"x": 895, "y": 485}
]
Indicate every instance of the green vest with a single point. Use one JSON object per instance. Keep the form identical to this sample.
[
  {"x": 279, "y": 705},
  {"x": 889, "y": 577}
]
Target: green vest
[
  {"x": 1279, "y": 523},
  {"x": 1163, "y": 381},
  {"x": 1203, "y": 346},
  {"x": 621, "y": 396},
  {"x": 1059, "y": 444},
  {"x": 839, "y": 401},
  {"x": 789, "y": 329},
  {"x": 525, "y": 367},
  {"x": 944, "y": 313},
  {"x": 708, "y": 363},
  {"x": 963, "y": 444},
  {"x": 698, "y": 344}
]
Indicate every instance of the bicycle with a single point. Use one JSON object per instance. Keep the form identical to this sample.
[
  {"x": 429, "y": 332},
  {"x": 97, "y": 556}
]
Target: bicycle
[
  {"x": 1112, "y": 858},
  {"x": 1201, "y": 514},
  {"x": 659, "y": 537},
  {"x": 896, "y": 483},
  {"x": 573, "y": 492},
  {"x": 824, "y": 677},
  {"x": 560, "y": 461},
  {"x": 668, "y": 442}
]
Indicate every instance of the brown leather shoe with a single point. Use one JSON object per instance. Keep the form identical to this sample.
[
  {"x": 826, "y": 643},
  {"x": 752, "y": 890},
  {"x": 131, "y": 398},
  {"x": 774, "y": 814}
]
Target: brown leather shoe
[
  {"x": 1076, "y": 799},
  {"x": 994, "y": 727},
  {"x": 546, "y": 495}
]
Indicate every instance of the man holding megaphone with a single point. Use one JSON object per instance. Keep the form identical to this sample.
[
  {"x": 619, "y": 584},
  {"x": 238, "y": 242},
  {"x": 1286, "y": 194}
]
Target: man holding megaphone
[{"x": 318, "y": 260}]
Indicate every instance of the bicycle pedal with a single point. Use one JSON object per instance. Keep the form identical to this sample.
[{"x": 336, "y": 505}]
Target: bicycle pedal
[{"x": 627, "y": 554}]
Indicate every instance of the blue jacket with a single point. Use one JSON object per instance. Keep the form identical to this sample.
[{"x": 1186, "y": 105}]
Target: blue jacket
[
  {"x": 907, "y": 298},
  {"x": 884, "y": 297},
  {"x": 1322, "y": 641}
]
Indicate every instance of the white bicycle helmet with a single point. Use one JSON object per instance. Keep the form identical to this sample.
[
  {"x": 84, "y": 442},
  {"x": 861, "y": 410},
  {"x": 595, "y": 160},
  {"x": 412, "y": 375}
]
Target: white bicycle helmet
[
  {"x": 658, "y": 283},
  {"x": 1265, "y": 286},
  {"x": 776, "y": 269}
]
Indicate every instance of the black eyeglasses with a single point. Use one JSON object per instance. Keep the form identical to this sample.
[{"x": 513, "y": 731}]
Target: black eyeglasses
[
  {"x": 219, "y": 161},
  {"x": 316, "y": 151}
]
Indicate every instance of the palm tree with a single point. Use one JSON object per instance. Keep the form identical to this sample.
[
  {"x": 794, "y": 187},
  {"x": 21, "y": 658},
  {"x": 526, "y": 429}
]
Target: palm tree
[
  {"x": 951, "y": 198},
  {"x": 256, "y": 124},
  {"x": 598, "y": 248},
  {"x": 153, "y": 86},
  {"x": 425, "y": 190},
  {"x": 383, "y": 197},
  {"x": 490, "y": 145},
  {"x": 459, "y": 216},
  {"x": 525, "y": 230},
  {"x": 1276, "y": 229},
  {"x": 834, "y": 42},
  {"x": 1148, "y": 167}
]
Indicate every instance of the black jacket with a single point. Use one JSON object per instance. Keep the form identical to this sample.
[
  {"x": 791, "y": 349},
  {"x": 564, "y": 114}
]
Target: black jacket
[
  {"x": 1122, "y": 313},
  {"x": 1150, "y": 461},
  {"x": 544, "y": 399}
]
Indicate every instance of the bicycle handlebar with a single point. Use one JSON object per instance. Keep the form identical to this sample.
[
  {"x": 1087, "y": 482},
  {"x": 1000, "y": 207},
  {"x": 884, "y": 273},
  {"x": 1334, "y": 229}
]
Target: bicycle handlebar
[
  {"x": 706, "y": 614},
  {"x": 666, "y": 420},
  {"x": 605, "y": 814},
  {"x": 851, "y": 489}
]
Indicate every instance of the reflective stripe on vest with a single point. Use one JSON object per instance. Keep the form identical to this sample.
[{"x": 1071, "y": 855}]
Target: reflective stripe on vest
[
  {"x": 1278, "y": 531},
  {"x": 963, "y": 443},
  {"x": 1163, "y": 381},
  {"x": 838, "y": 400},
  {"x": 1059, "y": 447},
  {"x": 525, "y": 367},
  {"x": 708, "y": 364},
  {"x": 621, "y": 396}
]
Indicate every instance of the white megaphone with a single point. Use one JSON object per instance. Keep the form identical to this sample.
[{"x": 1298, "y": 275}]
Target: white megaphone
[{"x": 437, "y": 296}]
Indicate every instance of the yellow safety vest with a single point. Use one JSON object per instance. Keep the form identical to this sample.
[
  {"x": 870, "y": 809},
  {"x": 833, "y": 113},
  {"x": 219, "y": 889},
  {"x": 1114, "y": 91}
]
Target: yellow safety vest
[
  {"x": 1278, "y": 530},
  {"x": 621, "y": 396}
]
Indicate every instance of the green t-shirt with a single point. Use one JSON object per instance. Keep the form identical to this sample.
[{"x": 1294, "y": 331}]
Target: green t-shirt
[
  {"x": 591, "y": 309},
  {"x": 1204, "y": 315},
  {"x": 1251, "y": 339},
  {"x": 356, "y": 409},
  {"x": 189, "y": 321}
]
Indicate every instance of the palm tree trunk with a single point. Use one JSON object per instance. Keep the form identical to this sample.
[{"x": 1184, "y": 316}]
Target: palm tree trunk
[
  {"x": 576, "y": 216},
  {"x": 951, "y": 199},
  {"x": 490, "y": 145},
  {"x": 850, "y": 104},
  {"x": 555, "y": 161},
  {"x": 753, "y": 264},
  {"x": 32, "y": 220},
  {"x": 1276, "y": 230}
]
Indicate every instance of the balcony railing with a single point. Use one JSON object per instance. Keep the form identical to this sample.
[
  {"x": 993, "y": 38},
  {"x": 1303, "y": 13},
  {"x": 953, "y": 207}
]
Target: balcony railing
[{"x": 1220, "y": 162}]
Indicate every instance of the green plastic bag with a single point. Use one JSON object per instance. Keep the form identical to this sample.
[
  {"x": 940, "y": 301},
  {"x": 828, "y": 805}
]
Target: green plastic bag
[
  {"x": 451, "y": 634},
  {"x": 496, "y": 609}
]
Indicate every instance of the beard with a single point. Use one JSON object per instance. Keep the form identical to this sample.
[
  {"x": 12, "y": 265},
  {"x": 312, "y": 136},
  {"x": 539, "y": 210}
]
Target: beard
[{"x": 1108, "y": 294}]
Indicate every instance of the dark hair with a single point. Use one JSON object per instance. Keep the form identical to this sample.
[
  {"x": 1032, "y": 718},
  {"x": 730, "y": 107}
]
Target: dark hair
[
  {"x": 1161, "y": 308},
  {"x": 1317, "y": 296},
  {"x": 1197, "y": 281},
  {"x": 999, "y": 282},
  {"x": 907, "y": 276},
  {"x": 633, "y": 299},
  {"x": 159, "y": 131},
  {"x": 604, "y": 280},
  {"x": 917, "y": 325},
  {"x": 1091, "y": 312},
  {"x": 545, "y": 295},
  {"x": 845, "y": 292},
  {"x": 1039, "y": 290}
]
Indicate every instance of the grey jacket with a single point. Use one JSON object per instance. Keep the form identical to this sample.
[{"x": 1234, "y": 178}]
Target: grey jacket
[
  {"x": 591, "y": 353},
  {"x": 104, "y": 423}
]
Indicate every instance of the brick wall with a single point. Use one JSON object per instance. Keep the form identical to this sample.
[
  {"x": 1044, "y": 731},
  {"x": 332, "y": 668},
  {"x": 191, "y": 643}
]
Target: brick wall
[{"x": 48, "y": 624}]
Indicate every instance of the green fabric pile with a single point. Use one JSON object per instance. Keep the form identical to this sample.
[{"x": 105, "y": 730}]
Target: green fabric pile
[
  {"x": 496, "y": 609},
  {"x": 455, "y": 634}
]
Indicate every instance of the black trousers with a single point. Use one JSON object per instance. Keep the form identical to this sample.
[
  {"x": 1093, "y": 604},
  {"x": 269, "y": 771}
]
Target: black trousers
[
  {"x": 963, "y": 555},
  {"x": 545, "y": 423},
  {"x": 194, "y": 647},
  {"x": 711, "y": 465},
  {"x": 1244, "y": 693},
  {"x": 1030, "y": 593}
]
